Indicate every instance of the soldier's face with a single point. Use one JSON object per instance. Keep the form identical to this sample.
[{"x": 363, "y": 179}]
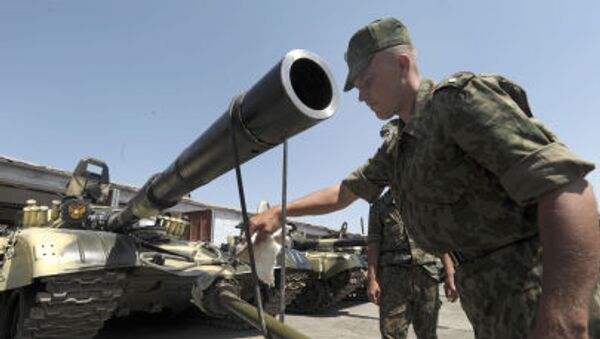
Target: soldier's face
[{"x": 381, "y": 85}]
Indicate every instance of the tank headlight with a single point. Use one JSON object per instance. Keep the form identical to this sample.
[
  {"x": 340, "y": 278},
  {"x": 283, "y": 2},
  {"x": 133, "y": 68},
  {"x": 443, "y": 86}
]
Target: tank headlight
[{"x": 75, "y": 211}]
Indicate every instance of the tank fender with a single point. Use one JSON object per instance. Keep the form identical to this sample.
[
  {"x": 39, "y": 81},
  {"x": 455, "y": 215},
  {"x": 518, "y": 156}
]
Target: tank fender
[{"x": 40, "y": 252}]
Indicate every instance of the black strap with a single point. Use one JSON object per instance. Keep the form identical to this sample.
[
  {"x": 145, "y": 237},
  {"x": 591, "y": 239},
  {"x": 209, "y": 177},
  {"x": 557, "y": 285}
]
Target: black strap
[
  {"x": 233, "y": 108},
  {"x": 461, "y": 257},
  {"x": 283, "y": 233}
]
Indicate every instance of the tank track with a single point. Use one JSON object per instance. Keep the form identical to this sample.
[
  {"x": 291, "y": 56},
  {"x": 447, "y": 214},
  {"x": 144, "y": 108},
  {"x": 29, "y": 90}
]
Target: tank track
[
  {"x": 295, "y": 282},
  {"x": 73, "y": 305}
]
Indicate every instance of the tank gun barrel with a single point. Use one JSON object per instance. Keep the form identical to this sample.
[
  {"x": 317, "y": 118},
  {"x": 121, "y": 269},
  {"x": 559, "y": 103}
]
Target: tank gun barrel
[
  {"x": 306, "y": 244},
  {"x": 297, "y": 93}
]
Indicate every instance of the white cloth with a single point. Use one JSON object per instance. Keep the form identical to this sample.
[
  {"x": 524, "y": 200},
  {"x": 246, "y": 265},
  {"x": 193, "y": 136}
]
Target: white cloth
[{"x": 265, "y": 254}]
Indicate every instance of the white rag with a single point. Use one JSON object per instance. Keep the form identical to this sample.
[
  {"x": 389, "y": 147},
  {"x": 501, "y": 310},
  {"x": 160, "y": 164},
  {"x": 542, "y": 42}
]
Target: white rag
[{"x": 265, "y": 255}]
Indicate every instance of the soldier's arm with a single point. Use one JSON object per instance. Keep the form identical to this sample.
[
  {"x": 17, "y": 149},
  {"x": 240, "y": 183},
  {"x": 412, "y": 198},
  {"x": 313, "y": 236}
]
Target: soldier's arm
[
  {"x": 568, "y": 224},
  {"x": 365, "y": 182},
  {"x": 327, "y": 200},
  {"x": 372, "y": 260},
  {"x": 373, "y": 289},
  {"x": 534, "y": 168},
  {"x": 373, "y": 252}
]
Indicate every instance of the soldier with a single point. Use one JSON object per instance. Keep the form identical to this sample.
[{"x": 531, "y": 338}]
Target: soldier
[
  {"x": 402, "y": 278},
  {"x": 474, "y": 174}
]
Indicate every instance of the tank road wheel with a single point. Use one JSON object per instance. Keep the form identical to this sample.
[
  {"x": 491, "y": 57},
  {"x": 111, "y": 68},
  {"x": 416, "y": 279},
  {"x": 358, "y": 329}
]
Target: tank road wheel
[
  {"x": 12, "y": 318},
  {"x": 345, "y": 283},
  {"x": 316, "y": 297},
  {"x": 360, "y": 293}
]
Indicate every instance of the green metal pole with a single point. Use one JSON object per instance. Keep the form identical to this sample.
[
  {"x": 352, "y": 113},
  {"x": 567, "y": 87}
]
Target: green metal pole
[{"x": 249, "y": 313}]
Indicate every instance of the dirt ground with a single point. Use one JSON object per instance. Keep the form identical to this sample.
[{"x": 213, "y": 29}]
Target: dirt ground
[{"x": 349, "y": 320}]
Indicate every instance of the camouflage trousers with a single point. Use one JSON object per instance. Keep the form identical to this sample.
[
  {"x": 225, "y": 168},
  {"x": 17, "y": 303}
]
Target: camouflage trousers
[
  {"x": 500, "y": 292},
  {"x": 408, "y": 294},
  {"x": 594, "y": 324}
]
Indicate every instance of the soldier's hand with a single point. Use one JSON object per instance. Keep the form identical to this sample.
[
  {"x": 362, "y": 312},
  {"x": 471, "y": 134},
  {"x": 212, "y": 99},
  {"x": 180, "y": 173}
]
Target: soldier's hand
[
  {"x": 265, "y": 223},
  {"x": 450, "y": 288},
  {"x": 373, "y": 291}
]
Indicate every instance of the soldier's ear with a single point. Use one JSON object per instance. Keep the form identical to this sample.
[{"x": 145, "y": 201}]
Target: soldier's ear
[{"x": 404, "y": 62}]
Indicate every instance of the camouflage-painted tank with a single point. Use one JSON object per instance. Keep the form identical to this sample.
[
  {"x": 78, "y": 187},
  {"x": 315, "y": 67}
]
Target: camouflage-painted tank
[
  {"x": 63, "y": 275},
  {"x": 64, "y": 270},
  {"x": 360, "y": 293},
  {"x": 337, "y": 271}
]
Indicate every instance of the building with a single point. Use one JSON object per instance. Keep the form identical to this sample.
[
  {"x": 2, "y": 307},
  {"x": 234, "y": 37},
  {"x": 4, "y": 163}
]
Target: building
[{"x": 21, "y": 180}]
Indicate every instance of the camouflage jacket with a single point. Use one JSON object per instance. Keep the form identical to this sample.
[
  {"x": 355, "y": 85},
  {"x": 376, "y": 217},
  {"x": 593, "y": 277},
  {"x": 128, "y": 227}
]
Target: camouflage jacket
[
  {"x": 468, "y": 167},
  {"x": 396, "y": 247}
]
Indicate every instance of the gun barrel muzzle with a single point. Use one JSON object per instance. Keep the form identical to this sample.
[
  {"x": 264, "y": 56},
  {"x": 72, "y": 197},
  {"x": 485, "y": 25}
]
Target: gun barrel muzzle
[{"x": 294, "y": 95}]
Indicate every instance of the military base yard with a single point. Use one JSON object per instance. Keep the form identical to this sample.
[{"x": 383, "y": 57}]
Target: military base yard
[{"x": 348, "y": 320}]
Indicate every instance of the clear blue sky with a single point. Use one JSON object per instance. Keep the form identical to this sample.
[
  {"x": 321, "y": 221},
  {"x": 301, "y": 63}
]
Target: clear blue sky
[{"x": 134, "y": 82}]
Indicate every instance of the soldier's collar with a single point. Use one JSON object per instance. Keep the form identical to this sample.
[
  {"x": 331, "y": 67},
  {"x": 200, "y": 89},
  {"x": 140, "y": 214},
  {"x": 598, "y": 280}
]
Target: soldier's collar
[{"x": 414, "y": 126}]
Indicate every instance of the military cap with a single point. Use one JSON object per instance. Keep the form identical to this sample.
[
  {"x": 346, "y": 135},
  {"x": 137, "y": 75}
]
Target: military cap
[{"x": 374, "y": 37}]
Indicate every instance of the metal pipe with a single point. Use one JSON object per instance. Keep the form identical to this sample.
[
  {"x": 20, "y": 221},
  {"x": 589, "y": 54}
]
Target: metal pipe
[
  {"x": 249, "y": 314},
  {"x": 296, "y": 94}
]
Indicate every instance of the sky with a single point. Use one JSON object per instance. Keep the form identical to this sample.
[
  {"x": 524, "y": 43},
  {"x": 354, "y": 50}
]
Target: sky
[{"x": 133, "y": 82}]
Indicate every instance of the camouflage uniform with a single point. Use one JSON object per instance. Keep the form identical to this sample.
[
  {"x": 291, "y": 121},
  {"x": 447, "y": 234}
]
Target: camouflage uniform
[
  {"x": 594, "y": 324},
  {"x": 466, "y": 171},
  {"x": 407, "y": 275}
]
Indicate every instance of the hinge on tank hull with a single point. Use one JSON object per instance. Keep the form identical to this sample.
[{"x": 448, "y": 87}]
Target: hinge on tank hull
[{"x": 1, "y": 265}]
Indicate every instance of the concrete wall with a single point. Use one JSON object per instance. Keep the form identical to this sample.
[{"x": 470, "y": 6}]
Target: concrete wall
[{"x": 223, "y": 224}]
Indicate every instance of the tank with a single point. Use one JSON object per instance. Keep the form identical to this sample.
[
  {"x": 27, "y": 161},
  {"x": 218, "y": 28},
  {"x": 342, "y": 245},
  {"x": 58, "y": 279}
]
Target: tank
[
  {"x": 337, "y": 270},
  {"x": 360, "y": 293},
  {"x": 68, "y": 267}
]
